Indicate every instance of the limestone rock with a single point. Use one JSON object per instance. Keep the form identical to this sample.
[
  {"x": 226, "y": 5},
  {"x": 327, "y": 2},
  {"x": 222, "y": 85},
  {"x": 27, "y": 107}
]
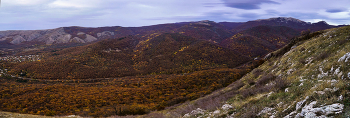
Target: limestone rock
[
  {"x": 226, "y": 107},
  {"x": 345, "y": 58},
  {"x": 216, "y": 112},
  {"x": 17, "y": 39},
  {"x": 80, "y": 33},
  {"x": 63, "y": 39},
  {"x": 90, "y": 38},
  {"x": 196, "y": 112},
  {"x": 77, "y": 40},
  {"x": 105, "y": 33},
  {"x": 33, "y": 36},
  {"x": 322, "y": 112},
  {"x": 301, "y": 103},
  {"x": 267, "y": 111}
]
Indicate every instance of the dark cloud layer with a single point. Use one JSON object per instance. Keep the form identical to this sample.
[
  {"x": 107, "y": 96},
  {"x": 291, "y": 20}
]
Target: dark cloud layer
[
  {"x": 301, "y": 15},
  {"x": 48, "y": 14},
  {"x": 249, "y": 15},
  {"x": 335, "y": 10},
  {"x": 247, "y": 4}
]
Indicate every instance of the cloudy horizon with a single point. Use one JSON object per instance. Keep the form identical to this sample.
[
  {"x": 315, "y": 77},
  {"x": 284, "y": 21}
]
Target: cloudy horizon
[{"x": 48, "y": 14}]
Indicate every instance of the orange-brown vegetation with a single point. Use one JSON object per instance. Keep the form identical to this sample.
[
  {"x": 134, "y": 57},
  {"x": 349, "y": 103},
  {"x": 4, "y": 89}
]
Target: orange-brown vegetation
[
  {"x": 141, "y": 69},
  {"x": 166, "y": 53},
  {"x": 260, "y": 40},
  {"x": 119, "y": 96}
]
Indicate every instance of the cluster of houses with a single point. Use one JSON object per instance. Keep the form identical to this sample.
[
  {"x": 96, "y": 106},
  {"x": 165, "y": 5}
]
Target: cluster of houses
[
  {"x": 21, "y": 58},
  {"x": 2, "y": 72},
  {"x": 5, "y": 51}
]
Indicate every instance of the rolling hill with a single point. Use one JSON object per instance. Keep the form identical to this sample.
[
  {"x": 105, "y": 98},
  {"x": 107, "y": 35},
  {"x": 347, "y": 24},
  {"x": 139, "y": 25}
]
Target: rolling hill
[
  {"x": 260, "y": 40},
  {"x": 116, "y": 70},
  {"x": 308, "y": 80},
  {"x": 166, "y": 53}
]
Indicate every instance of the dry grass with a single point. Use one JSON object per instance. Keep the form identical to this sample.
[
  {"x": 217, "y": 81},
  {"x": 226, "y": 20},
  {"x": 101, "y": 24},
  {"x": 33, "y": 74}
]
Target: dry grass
[
  {"x": 322, "y": 56},
  {"x": 258, "y": 89},
  {"x": 257, "y": 72},
  {"x": 265, "y": 79},
  {"x": 209, "y": 102}
]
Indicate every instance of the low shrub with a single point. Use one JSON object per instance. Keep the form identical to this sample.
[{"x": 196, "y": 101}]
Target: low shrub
[
  {"x": 322, "y": 56},
  {"x": 281, "y": 83},
  {"x": 257, "y": 72},
  {"x": 265, "y": 79}
]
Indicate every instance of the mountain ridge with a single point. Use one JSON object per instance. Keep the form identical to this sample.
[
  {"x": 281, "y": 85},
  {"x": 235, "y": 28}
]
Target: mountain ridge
[
  {"x": 64, "y": 35},
  {"x": 133, "y": 71}
]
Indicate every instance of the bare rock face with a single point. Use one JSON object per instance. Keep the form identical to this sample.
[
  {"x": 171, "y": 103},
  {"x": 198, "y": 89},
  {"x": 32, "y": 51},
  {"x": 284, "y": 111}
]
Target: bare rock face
[
  {"x": 50, "y": 36},
  {"x": 63, "y": 39},
  {"x": 90, "y": 38},
  {"x": 77, "y": 40},
  {"x": 47, "y": 36},
  {"x": 310, "y": 112},
  {"x": 18, "y": 39},
  {"x": 105, "y": 33},
  {"x": 80, "y": 33},
  {"x": 196, "y": 112},
  {"x": 55, "y": 36},
  {"x": 33, "y": 36},
  {"x": 21, "y": 36}
]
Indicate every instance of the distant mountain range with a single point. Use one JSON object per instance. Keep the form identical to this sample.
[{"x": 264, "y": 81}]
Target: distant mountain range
[
  {"x": 116, "y": 70},
  {"x": 166, "y": 48},
  {"x": 207, "y": 30}
]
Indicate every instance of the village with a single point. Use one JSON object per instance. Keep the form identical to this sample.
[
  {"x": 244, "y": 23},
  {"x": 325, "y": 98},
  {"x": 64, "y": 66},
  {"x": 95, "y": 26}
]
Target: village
[{"x": 21, "y": 58}]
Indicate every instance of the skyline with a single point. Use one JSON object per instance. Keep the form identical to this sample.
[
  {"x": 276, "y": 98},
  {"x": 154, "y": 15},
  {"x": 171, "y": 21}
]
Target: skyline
[{"x": 49, "y": 14}]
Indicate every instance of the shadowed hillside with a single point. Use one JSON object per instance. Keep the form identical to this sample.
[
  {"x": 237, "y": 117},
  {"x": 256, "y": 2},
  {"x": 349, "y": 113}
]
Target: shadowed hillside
[{"x": 260, "y": 40}]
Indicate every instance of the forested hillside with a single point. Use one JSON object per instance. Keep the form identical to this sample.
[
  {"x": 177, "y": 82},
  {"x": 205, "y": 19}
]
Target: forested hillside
[{"x": 116, "y": 70}]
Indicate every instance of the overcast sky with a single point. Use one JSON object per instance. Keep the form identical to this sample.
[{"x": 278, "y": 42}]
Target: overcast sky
[{"x": 47, "y": 14}]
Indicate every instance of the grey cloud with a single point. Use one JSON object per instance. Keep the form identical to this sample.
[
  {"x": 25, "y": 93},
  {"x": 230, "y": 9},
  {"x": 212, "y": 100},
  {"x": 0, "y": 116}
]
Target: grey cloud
[
  {"x": 247, "y": 4},
  {"x": 335, "y": 10},
  {"x": 210, "y": 4},
  {"x": 249, "y": 15},
  {"x": 217, "y": 16},
  {"x": 181, "y": 18},
  {"x": 301, "y": 15},
  {"x": 272, "y": 12},
  {"x": 132, "y": 13},
  {"x": 212, "y": 16}
]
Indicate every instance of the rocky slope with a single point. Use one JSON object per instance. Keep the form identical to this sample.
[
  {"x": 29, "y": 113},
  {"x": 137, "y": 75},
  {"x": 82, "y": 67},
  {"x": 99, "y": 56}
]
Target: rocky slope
[
  {"x": 310, "y": 80},
  {"x": 184, "y": 53},
  {"x": 51, "y": 36}
]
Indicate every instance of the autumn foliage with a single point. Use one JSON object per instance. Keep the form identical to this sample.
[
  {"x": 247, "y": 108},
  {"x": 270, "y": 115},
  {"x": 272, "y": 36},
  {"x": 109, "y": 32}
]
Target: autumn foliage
[
  {"x": 136, "y": 70},
  {"x": 119, "y": 96},
  {"x": 164, "y": 54}
]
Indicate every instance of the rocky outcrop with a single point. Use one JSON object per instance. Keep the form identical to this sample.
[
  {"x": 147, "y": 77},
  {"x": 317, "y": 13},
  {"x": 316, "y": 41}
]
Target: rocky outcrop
[
  {"x": 345, "y": 58},
  {"x": 77, "y": 40},
  {"x": 317, "y": 68},
  {"x": 196, "y": 112},
  {"x": 18, "y": 39},
  {"x": 105, "y": 33},
  {"x": 90, "y": 38},
  {"x": 200, "y": 113},
  {"x": 80, "y": 33},
  {"x": 320, "y": 112},
  {"x": 63, "y": 39},
  {"x": 50, "y": 36}
]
